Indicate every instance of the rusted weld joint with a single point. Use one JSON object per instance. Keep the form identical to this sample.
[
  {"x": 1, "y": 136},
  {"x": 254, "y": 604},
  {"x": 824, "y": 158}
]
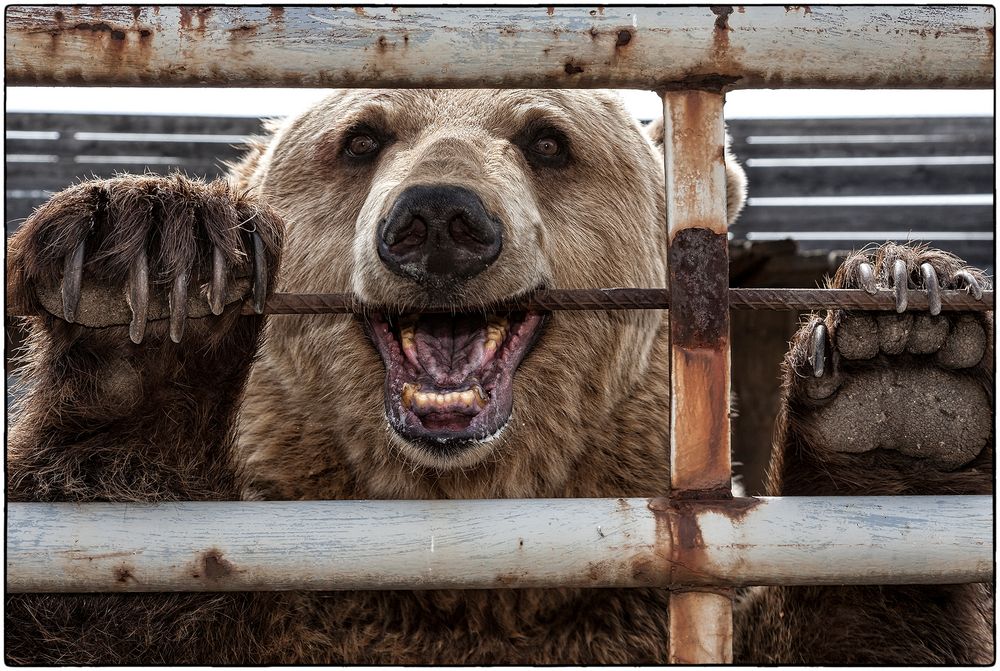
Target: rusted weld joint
[{"x": 679, "y": 542}]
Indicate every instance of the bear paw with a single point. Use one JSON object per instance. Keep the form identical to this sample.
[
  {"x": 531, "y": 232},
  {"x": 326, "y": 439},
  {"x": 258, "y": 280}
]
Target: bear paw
[
  {"x": 136, "y": 249},
  {"x": 916, "y": 384}
]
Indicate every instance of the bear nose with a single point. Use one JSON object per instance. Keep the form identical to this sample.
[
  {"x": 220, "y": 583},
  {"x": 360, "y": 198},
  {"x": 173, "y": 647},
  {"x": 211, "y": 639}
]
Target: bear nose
[{"x": 438, "y": 232}]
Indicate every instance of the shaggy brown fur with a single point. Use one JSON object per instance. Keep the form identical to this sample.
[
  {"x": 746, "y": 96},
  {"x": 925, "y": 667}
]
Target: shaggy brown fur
[{"x": 108, "y": 420}]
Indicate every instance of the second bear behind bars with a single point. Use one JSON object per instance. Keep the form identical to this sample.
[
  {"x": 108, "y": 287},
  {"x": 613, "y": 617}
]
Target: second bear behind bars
[{"x": 462, "y": 198}]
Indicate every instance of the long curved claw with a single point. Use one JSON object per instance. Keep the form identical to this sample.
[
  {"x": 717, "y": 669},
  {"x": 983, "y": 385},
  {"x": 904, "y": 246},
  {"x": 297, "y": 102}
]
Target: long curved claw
[
  {"x": 819, "y": 349},
  {"x": 138, "y": 296},
  {"x": 178, "y": 305},
  {"x": 217, "y": 289},
  {"x": 72, "y": 279},
  {"x": 933, "y": 290},
  {"x": 867, "y": 276},
  {"x": 259, "y": 274},
  {"x": 970, "y": 282},
  {"x": 899, "y": 284}
]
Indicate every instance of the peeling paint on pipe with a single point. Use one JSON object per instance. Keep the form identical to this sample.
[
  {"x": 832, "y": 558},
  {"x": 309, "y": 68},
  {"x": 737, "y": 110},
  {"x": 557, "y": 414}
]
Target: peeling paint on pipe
[
  {"x": 332, "y": 545},
  {"x": 569, "y": 47}
]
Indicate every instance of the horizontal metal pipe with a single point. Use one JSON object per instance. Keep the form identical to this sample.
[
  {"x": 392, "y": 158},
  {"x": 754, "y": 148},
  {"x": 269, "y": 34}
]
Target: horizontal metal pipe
[
  {"x": 657, "y": 47},
  {"x": 331, "y": 545}
]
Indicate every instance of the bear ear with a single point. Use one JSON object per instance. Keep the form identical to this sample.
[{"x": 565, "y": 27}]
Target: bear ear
[
  {"x": 736, "y": 179},
  {"x": 655, "y": 133}
]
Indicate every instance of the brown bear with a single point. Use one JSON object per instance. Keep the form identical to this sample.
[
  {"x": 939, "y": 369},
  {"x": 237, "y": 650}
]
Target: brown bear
[{"x": 457, "y": 199}]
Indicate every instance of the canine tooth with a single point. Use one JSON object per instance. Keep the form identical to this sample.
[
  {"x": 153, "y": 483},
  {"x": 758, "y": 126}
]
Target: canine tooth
[{"x": 408, "y": 392}]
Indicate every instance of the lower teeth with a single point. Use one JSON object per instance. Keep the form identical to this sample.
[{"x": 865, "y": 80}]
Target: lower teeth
[{"x": 466, "y": 399}]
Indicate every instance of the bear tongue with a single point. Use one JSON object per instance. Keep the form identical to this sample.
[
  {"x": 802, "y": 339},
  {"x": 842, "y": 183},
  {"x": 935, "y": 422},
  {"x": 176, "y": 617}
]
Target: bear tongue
[{"x": 449, "y": 349}]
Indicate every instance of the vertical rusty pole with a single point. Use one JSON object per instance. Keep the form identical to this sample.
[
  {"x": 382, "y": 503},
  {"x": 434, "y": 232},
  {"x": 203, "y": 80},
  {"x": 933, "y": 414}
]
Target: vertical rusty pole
[{"x": 701, "y": 624}]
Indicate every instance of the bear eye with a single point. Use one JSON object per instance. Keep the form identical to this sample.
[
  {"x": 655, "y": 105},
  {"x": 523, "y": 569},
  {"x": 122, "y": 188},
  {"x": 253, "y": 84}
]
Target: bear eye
[
  {"x": 362, "y": 144},
  {"x": 545, "y": 146}
]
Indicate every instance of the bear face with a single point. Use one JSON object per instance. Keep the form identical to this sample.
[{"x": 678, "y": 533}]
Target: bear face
[{"x": 433, "y": 393}]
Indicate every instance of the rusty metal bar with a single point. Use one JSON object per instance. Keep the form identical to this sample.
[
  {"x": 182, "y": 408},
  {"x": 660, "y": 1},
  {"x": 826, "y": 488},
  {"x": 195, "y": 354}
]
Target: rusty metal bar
[
  {"x": 659, "y": 299},
  {"x": 479, "y": 544},
  {"x": 701, "y": 627},
  {"x": 698, "y": 268},
  {"x": 641, "y": 299},
  {"x": 708, "y": 47}
]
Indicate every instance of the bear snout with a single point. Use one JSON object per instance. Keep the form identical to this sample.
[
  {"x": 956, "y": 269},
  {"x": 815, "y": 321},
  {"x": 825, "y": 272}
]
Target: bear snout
[{"x": 438, "y": 235}]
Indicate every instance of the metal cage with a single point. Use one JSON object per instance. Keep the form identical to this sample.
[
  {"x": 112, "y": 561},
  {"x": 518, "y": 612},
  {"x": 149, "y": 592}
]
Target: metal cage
[{"x": 700, "y": 541}]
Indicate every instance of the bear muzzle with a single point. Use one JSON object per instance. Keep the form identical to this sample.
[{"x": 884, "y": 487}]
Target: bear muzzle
[
  {"x": 450, "y": 377},
  {"x": 438, "y": 236}
]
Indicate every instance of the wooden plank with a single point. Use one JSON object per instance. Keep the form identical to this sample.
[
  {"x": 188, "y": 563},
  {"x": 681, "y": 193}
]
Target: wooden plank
[
  {"x": 895, "y": 218},
  {"x": 331, "y": 545},
  {"x": 976, "y": 253},
  {"x": 949, "y": 146},
  {"x": 187, "y": 148},
  {"x": 132, "y": 123},
  {"x": 628, "y": 47},
  {"x": 972, "y": 126},
  {"x": 867, "y": 181},
  {"x": 56, "y": 176}
]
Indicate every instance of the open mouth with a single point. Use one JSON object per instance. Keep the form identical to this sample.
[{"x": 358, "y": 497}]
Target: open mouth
[{"x": 449, "y": 377}]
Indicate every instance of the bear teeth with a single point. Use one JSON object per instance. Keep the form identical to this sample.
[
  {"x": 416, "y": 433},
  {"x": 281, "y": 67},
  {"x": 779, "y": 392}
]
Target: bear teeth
[
  {"x": 496, "y": 332},
  {"x": 471, "y": 399}
]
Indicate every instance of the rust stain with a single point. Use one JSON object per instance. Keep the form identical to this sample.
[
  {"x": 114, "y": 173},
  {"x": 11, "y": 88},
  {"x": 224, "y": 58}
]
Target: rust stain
[
  {"x": 701, "y": 627},
  {"x": 360, "y": 11},
  {"x": 720, "y": 35},
  {"x": 604, "y": 571},
  {"x": 700, "y": 452},
  {"x": 623, "y": 39},
  {"x": 572, "y": 68},
  {"x": 699, "y": 287},
  {"x": 713, "y": 81},
  {"x": 679, "y": 538},
  {"x": 213, "y": 566},
  {"x": 806, "y": 9},
  {"x": 123, "y": 573},
  {"x": 722, "y": 13},
  {"x": 243, "y": 30},
  {"x": 277, "y": 13},
  {"x": 510, "y": 579},
  {"x": 550, "y": 10}
]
